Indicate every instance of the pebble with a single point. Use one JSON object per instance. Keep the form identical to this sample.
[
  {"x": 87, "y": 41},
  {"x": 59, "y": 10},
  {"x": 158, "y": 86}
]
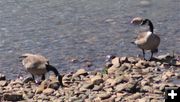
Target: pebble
[
  {"x": 48, "y": 91},
  {"x": 124, "y": 60},
  {"x": 80, "y": 72},
  {"x": 96, "y": 80},
  {"x": 120, "y": 87},
  {"x": 104, "y": 95},
  {"x": 112, "y": 70},
  {"x": 97, "y": 88}
]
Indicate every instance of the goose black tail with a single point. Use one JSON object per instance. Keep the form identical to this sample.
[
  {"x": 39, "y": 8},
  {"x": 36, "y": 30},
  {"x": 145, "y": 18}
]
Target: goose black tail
[{"x": 53, "y": 69}]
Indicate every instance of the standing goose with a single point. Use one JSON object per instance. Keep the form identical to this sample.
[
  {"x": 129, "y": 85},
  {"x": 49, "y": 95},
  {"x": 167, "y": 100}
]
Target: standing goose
[
  {"x": 146, "y": 40},
  {"x": 38, "y": 65}
]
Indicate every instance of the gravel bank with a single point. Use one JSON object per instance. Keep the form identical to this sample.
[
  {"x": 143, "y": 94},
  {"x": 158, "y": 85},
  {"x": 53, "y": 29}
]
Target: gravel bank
[{"x": 123, "y": 79}]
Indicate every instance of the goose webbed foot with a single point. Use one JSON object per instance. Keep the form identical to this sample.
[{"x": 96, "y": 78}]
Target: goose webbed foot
[{"x": 143, "y": 54}]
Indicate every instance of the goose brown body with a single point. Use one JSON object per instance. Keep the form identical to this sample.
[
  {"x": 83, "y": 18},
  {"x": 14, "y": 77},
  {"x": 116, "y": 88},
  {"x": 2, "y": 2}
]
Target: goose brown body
[
  {"x": 35, "y": 64},
  {"x": 146, "y": 40},
  {"x": 38, "y": 65}
]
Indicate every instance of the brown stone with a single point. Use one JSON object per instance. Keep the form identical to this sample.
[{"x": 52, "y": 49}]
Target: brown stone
[
  {"x": 104, "y": 95},
  {"x": 124, "y": 60},
  {"x": 112, "y": 70},
  {"x": 96, "y": 80},
  {"x": 116, "y": 62},
  {"x": 80, "y": 72},
  {"x": 48, "y": 91},
  {"x": 3, "y": 83}
]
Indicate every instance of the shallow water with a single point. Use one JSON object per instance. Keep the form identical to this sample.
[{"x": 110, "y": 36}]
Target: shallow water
[{"x": 84, "y": 29}]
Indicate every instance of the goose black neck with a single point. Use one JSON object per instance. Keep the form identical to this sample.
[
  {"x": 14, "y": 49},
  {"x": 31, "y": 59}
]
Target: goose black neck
[
  {"x": 53, "y": 69},
  {"x": 151, "y": 27}
]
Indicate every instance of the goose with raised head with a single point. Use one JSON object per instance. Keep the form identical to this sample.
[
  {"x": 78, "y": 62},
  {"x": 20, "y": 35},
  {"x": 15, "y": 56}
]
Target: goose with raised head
[
  {"x": 146, "y": 40},
  {"x": 38, "y": 65}
]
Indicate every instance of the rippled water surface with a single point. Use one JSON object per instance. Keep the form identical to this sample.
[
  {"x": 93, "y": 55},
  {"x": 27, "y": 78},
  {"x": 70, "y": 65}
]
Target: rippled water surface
[{"x": 84, "y": 29}]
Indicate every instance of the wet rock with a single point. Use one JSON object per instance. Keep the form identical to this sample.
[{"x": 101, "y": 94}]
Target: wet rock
[
  {"x": 48, "y": 91},
  {"x": 12, "y": 97},
  {"x": 3, "y": 83},
  {"x": 2, "y": 77},
  {"x": 96, "y": 80},
  {"x": 80, "y": 72}
]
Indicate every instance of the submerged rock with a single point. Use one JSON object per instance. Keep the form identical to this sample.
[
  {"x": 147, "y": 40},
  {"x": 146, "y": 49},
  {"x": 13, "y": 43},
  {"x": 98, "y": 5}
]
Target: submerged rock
[{"x": 2, "y": 77}]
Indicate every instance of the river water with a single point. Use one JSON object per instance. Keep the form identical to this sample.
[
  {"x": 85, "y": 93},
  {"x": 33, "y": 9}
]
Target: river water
[{"x": 87, "y": 30}]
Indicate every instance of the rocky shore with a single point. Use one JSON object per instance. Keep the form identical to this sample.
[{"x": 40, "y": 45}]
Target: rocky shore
[{"x": 124, "y": 79}]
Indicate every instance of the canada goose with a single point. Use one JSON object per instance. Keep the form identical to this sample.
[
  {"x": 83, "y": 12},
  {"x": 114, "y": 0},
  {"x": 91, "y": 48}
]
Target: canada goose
[
  {"x": 38, "y": 65},
  {"x": 146, "y": 40}
]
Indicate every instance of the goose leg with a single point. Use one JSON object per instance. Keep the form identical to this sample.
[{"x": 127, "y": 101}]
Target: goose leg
[
  {"x": 43, "y": 77},
  {"x": 151, "y": 55},
  {"x": 143, "y": 54},
  {"x": 33, "y": 77}
]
